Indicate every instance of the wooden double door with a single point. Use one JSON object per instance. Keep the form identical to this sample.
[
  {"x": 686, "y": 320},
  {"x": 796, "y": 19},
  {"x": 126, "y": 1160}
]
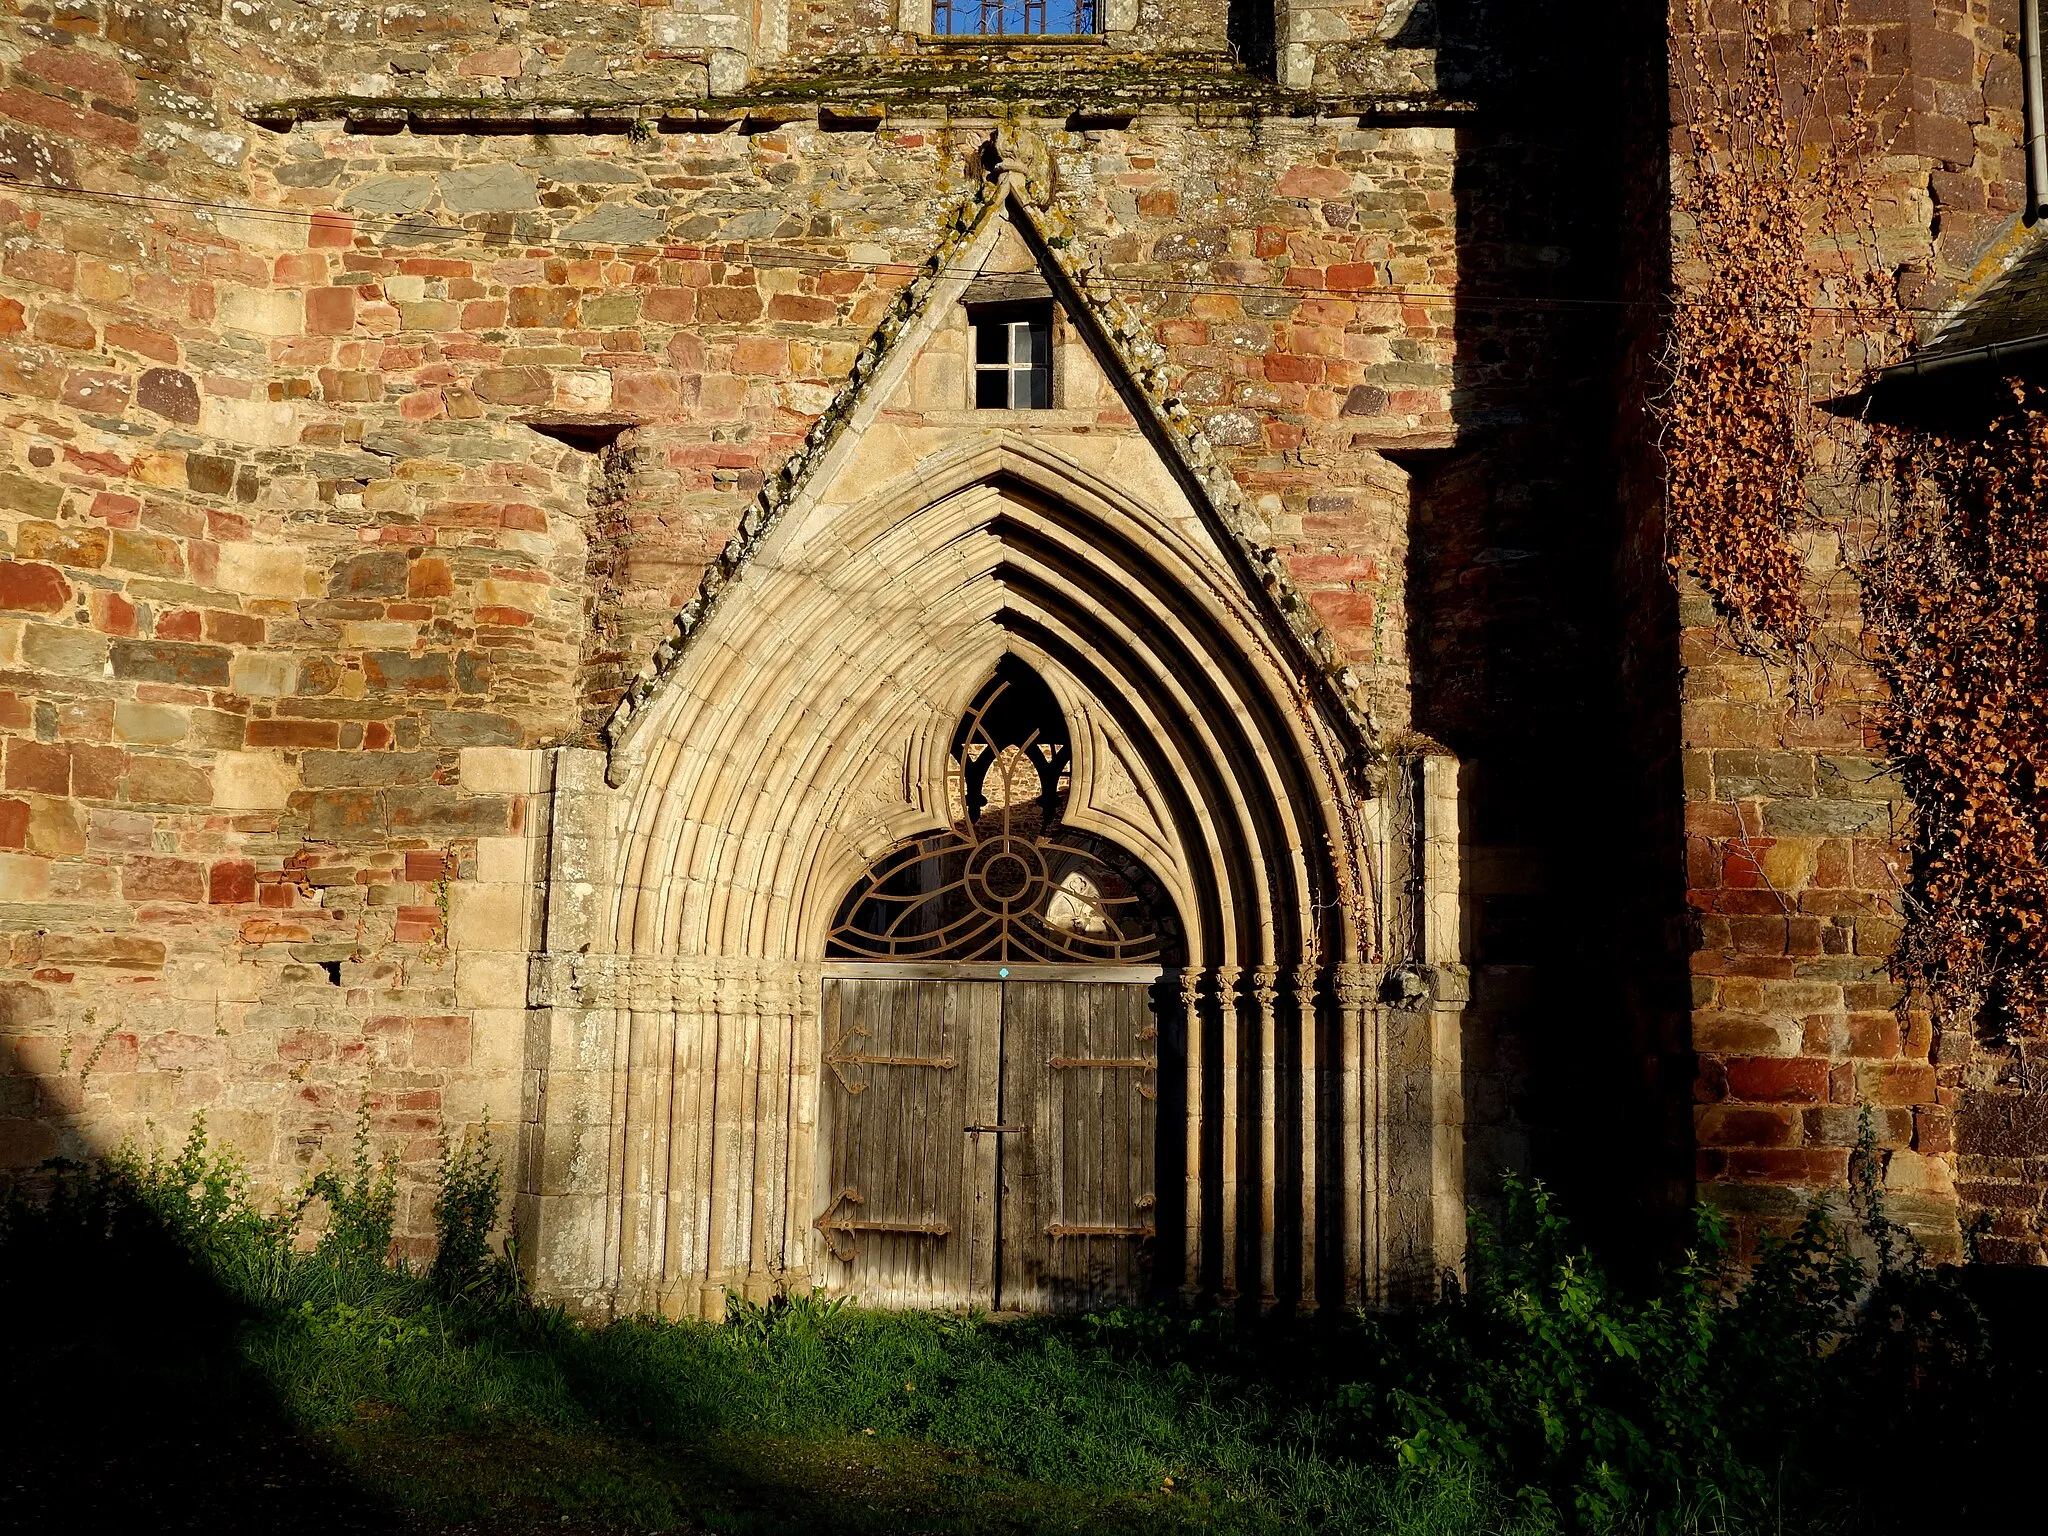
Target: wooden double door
[{"x": 990, "y": 1137}]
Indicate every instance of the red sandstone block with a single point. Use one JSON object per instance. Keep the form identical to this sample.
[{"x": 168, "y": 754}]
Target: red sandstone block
[
  {"x": 331, "y": 311},
  {"x": 760, "y": 355},
  {"x": 299, "y": 269},
  {"x": 331, "y": 229},
  {"x": 1349, "y": 613},
  {"x": 1349, "y": 277},
  {"x": 97, "y": 772},
  {"x": 1725, "y": 1125},
  {"x": 440, "y": 1042},
  {"x": 304, "y": 1045},
  {"x": 738, "y": 305},
  {"x": 1796, "y": 1080},
  {"x": 147, "y": 878},
  {"x": 1788, "y": 1165},
  {"x": 102, "y": 76},
  {"x": 1933, "y": 1129},
  {"x": 1894, "y": 1082},
  {"x": 806, "y": 311},
  {"x": 233, "y": 628},
  {"x": 38, "y": 767},
  {"x": 28, "y": 588},
  {"x": 417, "y": 925},
  {"x": 13, "y": 823},
  {"x": 231, "y": 882},
  {"x": 1315, "y": 182},
  {"x": 1873, "y": 1035},
  {"x": 59, "y": 325},
  {"x": 505, "y": 61},
  {"x": 265, "y": 930},
  {"x": 423, "y": 866},
  {"x": 42, "y": 266},
  {"x": 12, "y": 322},
  {"x": 546, "y": 308},
  {"x": 649, "y": 394},
  {"x": 429, "y": 576},
  {"x": 422, "y": 405},
  {"x": 293, "y": 733},
  {"x": 160, "y": 345},
  {"x": 1757, "y": 935},
  {"x": 1283, "y": 369}
]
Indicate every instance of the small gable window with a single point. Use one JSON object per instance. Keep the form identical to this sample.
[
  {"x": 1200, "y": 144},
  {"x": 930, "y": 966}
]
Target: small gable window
[
  {"x": 1012, "y": 357},
  {"x": 1013, "y": 18}
]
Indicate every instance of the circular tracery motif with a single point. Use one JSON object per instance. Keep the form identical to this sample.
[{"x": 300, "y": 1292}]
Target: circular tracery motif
[{"x": 1006, "y": 881}]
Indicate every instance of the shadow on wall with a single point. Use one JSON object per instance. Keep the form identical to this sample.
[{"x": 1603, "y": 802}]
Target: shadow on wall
[
  {"x": 139, "y": 1392},
  {"x": 1520, "y": 624},
  {"x": 126, "y": 1402}
]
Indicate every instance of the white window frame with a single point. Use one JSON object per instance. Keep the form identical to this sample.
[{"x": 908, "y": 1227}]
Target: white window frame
[{"x": 1020, "y": 321}]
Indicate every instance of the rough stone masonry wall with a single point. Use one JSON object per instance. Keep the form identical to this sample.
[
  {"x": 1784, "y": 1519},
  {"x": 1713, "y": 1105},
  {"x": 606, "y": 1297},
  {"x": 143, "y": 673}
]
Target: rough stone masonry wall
[
  {"x": 290, "y": 592},
  {"x": 1794, "y": 828}
]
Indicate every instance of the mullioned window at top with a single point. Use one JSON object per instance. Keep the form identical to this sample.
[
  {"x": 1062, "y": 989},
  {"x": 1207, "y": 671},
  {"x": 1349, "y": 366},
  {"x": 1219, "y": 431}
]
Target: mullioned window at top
[{"x": 1012, "y": 18}]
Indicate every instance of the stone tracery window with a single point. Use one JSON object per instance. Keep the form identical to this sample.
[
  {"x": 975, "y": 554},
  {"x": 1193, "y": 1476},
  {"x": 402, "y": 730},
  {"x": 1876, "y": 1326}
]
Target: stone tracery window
[
  {"x": 1013, "y": 18},
  {"x": 1007, "y": 880}
]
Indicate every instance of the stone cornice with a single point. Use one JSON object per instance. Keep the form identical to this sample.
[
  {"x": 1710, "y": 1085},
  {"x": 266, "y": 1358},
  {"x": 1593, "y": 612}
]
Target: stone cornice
[{"x": 1081, "y": 109}]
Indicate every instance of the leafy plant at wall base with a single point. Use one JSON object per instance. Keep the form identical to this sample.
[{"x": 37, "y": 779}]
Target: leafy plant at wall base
[
  {"x": 363, "y": 1205},
  {"x": 1611, "y": 1408},
  {"x": 467, "y": 1200}
]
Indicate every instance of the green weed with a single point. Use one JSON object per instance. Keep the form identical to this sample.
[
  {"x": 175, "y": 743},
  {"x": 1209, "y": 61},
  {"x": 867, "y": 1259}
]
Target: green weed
[{"x": 1546, "y": 1398}]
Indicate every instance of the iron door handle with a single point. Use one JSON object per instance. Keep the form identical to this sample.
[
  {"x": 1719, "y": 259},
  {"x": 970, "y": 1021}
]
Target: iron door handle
[{"x": 997, "y": 1130}]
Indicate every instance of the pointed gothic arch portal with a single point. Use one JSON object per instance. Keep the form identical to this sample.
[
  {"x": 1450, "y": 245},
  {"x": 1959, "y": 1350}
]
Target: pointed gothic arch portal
[
  {"x": 1166, "y": 804},
  {"x": 997, "y": 975}
]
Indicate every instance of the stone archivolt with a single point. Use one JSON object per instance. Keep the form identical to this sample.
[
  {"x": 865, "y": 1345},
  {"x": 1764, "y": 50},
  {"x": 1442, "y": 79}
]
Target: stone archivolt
[{"x": 871, "y": 593}]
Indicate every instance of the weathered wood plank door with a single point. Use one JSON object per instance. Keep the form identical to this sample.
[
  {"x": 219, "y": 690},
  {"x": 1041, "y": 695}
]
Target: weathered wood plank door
[
  {"x": 991, "y": 1140},
  {"x": 910, "y": 1198},
  {"x": 1080, "y": 1063}
]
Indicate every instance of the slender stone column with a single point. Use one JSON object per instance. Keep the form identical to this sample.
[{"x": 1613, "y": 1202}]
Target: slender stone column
[
  {"x": 1361, "y": 1129},
  {"x": 1229, "y": 1005},
  {"x": 1191, "y": 1013},
  {"x": 1311, "y": 1129},
  {"x": 643, "y": 1212},
  {"x": 1265, "y": 992},
  {"x": 800, "y": 1169}
]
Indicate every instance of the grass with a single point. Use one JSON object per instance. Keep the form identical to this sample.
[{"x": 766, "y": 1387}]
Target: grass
[
  {"x": 179, "y": 1362},
  {"x": 192, "y": 1367},
  {"x": 891, "y": 1421}
]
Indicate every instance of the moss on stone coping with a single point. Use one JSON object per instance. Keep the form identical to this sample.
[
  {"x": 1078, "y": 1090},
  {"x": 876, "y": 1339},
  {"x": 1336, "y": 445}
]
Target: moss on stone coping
[{"x": 1119, "y": 88}]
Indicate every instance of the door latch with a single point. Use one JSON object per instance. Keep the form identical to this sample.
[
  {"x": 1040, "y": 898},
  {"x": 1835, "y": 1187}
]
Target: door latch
[{"x": 997, "y": 1130}]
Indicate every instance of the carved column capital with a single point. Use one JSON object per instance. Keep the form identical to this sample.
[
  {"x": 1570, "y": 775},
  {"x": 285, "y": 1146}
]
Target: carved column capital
[{"x": 1265, "y": 987}]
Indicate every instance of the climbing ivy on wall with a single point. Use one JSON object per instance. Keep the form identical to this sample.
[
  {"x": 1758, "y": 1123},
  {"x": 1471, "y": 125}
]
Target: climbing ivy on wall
[
  {"x": 1953, "y": 593},
  {"x": 1772, "y": 219},
  {"x": 1779, "y": 302}
]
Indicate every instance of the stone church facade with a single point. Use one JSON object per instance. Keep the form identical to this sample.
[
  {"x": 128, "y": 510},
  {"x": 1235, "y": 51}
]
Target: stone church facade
[{"x": 955, "y": 666}]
